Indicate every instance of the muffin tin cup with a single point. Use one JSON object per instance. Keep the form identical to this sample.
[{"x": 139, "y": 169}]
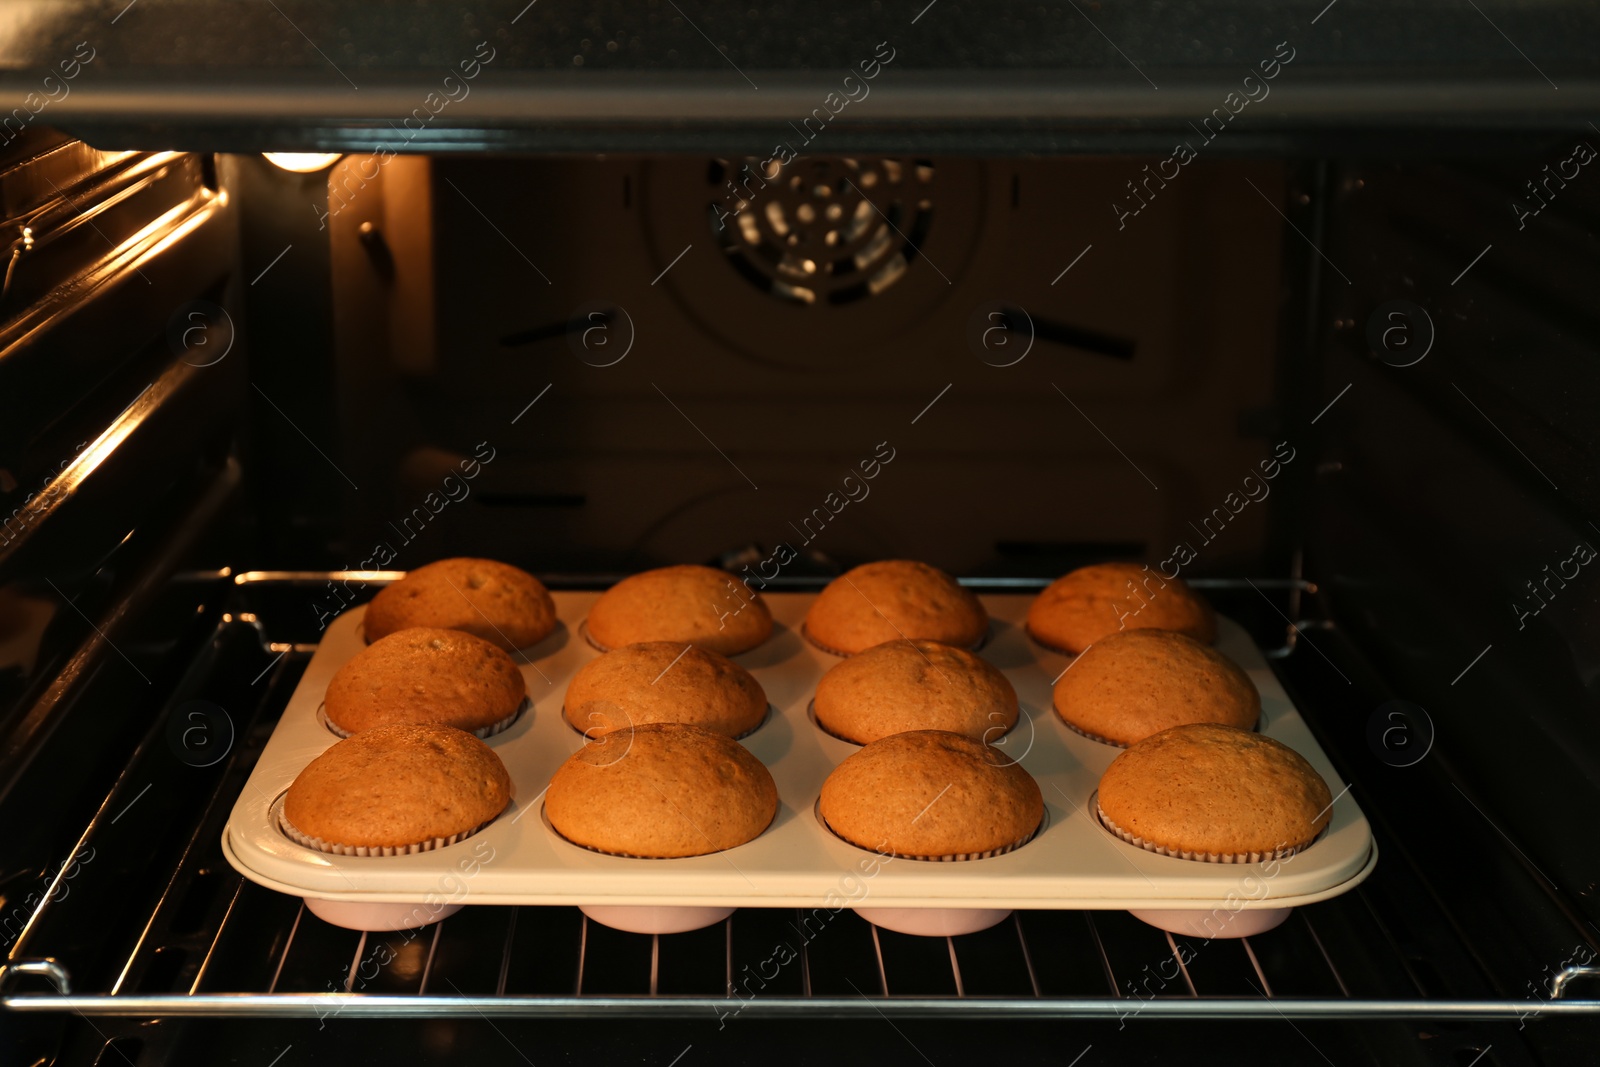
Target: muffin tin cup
[
  {"x": 1206, "y": 924},
  {"x": 482, "y": 733},
  {"x": 544, "y": 816},
  {"x": 332, "y": 848},
  {"x": 372, "y": 916},
  {"x": 935, "y": 922},
  {"x": 1201, "y": 857},
  {"x": 378, "y": 917},
  {"x": 645, "y": 919},
  {"x": 958, "y": 857}
]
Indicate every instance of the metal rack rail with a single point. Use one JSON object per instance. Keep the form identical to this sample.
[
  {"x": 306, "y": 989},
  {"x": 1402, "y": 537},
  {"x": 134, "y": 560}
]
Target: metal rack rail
[{"x": 989, "y": 974}]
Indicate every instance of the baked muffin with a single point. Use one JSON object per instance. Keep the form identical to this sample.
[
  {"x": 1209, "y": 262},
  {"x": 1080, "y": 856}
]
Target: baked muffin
[
  {"x": 660, "y": 681},
  {"x": 931, "y": 794},
  {"x": 659, "y": 791},
  {"x": 494, "y": 601},
  {"x": 403, "y": 788},
  {"x": 915, "y": 685},
  {"x": 1077, "y": 610},
  {"x": 687, "y": 604},
  {"x": 1139, "y": 682},
  {"x": 894, "y": 598},
  {"x": 1214, "y": 792},
  {"x": 425, "y": 674}
]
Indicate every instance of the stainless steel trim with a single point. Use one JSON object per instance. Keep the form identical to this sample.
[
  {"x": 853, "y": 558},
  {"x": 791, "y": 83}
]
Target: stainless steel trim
[
  {"x": 304, "y": 115},
  {"x": 50, "y": 968},
  {"x": 364, "y": 1005},
  {"x": 1558, "y": 984}
]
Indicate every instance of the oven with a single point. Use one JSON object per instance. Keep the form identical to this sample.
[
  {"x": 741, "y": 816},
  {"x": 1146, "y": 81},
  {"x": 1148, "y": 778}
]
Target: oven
[{"x": 664, "y": 272}]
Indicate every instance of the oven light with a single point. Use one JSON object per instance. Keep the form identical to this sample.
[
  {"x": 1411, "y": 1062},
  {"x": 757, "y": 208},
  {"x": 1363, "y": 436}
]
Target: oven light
[{"x": 302, "y": 162}]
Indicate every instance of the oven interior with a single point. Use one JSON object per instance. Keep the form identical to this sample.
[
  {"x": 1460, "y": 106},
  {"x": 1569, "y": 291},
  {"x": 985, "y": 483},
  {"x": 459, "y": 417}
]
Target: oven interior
[{"x": 234, "y": 397}]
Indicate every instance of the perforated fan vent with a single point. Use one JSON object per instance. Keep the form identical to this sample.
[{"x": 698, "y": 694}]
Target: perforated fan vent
[{"x": 821, "y": 231}]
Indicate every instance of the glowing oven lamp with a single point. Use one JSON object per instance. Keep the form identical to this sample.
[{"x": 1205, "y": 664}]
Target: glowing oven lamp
[{"x": 302, "y": 162}]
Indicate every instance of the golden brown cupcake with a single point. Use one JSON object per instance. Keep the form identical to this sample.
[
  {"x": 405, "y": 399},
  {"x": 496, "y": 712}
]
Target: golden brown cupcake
[
  {"x": 494, "y": 601},
  {"x": 1139, "y": 682},
  {"x": 1077, "y": 610},
  {"x": 408, "y": 787},
  {"x": 687, "y": 604},
  {"x": 900, "y": 686},
  {"x": 930, "y": 794},
  {"x": 1214, "y": 792},
  {"x": 894, "y": 598},
  {"x": 660, "y": 681},
  {"x": 659, "y": 791},
  {"x": 425, "y": 675}
]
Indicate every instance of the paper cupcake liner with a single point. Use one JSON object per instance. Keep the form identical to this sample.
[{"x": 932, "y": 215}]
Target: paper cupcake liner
[
  {"x": 1058, "y": 649},
  {"x": 811, "y": 713},
  {"x": 1201, "y": 857},
  {"x": 1255, "y": 729},
  {"x": 818, "y": 645},
  {"x": 334, "y": 849},
  {"x": 481, "y": 733},
  {"x": 545, "y": 815},
  {"x": 583, "y": 631},
  {"x": 959, "y": 857},
  {"x": 766, "y": 717}
]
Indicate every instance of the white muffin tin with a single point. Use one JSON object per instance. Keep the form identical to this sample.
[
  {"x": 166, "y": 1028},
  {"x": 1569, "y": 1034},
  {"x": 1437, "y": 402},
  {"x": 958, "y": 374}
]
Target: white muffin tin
[{"x": 1073, "y": 862}]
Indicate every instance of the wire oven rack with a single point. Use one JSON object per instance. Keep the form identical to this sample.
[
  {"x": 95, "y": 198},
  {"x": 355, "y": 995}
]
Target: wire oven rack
[{"x": 192, "y": 938}]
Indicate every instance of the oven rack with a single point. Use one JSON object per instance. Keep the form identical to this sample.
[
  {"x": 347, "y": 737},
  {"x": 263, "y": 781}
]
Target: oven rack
[
  {"x": 212, "y": 944},
  {"x": 1180, "y": 996}
]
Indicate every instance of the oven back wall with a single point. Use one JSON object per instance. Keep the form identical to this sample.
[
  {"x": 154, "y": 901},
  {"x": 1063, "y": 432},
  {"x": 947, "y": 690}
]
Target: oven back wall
[{"x": 1002, "y": 367}]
